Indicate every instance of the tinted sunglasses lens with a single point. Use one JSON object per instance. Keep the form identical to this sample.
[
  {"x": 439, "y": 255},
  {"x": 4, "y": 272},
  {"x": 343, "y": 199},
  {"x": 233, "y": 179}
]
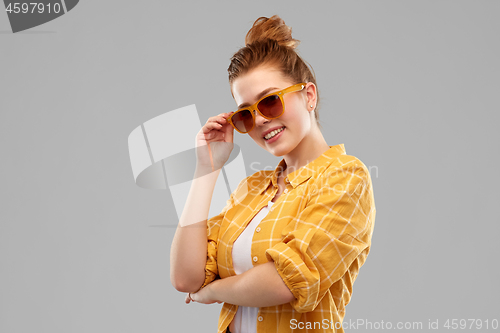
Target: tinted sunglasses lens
[
  {"x": 243, "y": 120},
  {"x": 271, "y": 106}
]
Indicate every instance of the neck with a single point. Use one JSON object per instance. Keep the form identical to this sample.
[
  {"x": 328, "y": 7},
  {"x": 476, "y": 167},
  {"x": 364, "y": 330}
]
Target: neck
[{"x": 310, "y": 148}]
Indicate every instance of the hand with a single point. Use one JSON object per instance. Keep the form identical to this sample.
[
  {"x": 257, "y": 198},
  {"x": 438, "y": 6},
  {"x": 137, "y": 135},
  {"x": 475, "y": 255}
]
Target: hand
[
  {"x": 202, "y": 296},
  {"x": 217, "y": 133}
]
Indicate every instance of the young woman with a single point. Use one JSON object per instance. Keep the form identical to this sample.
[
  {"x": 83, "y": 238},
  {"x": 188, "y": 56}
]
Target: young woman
[{"x": 284, "y": 252}]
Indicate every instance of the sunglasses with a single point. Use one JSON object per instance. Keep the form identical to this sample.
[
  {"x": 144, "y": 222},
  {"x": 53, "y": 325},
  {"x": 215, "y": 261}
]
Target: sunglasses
[{"x": 271, "y": 106}]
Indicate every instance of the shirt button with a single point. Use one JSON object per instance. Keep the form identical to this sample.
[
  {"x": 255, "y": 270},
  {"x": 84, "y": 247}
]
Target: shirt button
[
  {"x": 258, "y": 229},
  {"x": 285, "y": 191},
  {"x": 260, "y": 318},
  {"x": 255, "y": 259}
]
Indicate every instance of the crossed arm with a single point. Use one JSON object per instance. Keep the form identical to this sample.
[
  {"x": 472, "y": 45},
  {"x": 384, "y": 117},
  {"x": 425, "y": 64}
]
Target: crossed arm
[{"x": 260, "y": 286}]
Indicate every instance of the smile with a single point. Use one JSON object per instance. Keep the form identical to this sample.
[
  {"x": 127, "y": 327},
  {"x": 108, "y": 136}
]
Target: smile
[{"x": 273, "y": 134}]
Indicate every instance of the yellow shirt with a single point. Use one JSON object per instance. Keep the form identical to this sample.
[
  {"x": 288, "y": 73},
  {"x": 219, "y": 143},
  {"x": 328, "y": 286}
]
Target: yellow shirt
[{"x": 318, "y": 233}]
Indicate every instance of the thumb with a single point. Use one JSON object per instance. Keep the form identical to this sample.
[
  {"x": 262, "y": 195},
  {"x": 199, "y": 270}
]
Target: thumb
[{"x": 229, "y": 132}]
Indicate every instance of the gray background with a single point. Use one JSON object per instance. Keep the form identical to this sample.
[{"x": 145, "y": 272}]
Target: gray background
[{"x": 410, "y": 87}]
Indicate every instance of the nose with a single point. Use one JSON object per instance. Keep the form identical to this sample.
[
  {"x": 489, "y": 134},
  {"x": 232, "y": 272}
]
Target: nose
[{"x": 259, "y": 120}]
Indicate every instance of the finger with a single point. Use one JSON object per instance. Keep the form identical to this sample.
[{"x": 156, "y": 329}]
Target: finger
[
  {"x": 214, "y": 135},
  {"x": 221, "y": 119},
  {"x": 228, "y": 133},
  {"x": 211, "y": 127},
  {"x": 217, "y": 123}
]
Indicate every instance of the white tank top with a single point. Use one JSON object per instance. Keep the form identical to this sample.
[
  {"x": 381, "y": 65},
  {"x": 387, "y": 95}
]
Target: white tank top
[{"x": 245, "y": 320}]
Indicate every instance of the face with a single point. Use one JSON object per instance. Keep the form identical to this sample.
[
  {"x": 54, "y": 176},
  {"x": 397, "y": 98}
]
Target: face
[{"x": 297, "y": 118}]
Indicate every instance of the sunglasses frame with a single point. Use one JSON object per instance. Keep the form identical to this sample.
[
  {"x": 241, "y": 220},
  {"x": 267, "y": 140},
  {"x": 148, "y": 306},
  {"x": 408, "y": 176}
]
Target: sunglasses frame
[{"x": 280, "y": 93}]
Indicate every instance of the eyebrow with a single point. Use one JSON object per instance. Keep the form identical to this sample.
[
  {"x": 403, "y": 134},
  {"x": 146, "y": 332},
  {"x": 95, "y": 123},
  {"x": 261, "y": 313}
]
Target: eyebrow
[{"x": 259, "y": 96}]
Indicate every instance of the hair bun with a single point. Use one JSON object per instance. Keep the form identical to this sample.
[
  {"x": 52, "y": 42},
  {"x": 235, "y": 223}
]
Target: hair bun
[{"x": 271, "y": 28}]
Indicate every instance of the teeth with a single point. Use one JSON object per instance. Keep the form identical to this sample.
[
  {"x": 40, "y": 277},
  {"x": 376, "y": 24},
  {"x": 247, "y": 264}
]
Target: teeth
[{"x": 273, "y": 133}]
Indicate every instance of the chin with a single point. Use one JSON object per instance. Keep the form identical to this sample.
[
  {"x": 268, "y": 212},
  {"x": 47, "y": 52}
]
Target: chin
[{"x": 282, "y": 151}]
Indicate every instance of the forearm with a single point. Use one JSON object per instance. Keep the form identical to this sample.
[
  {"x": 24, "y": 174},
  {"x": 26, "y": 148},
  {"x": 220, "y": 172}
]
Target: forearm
[
  {"x": 260, "y": 286},
  {"x": 188, "y": 253}
]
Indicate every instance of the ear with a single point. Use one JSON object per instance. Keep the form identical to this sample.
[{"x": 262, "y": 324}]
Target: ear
[{"x": 311, "y": 91}]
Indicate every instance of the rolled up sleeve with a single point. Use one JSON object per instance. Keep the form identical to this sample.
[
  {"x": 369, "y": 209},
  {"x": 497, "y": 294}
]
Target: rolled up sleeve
[
  {"x": 322, "y": 242},
  {"x": 213, "y": 228}
]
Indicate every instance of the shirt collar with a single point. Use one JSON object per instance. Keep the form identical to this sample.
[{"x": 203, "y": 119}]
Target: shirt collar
[{"x": 299, "y": 176}]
